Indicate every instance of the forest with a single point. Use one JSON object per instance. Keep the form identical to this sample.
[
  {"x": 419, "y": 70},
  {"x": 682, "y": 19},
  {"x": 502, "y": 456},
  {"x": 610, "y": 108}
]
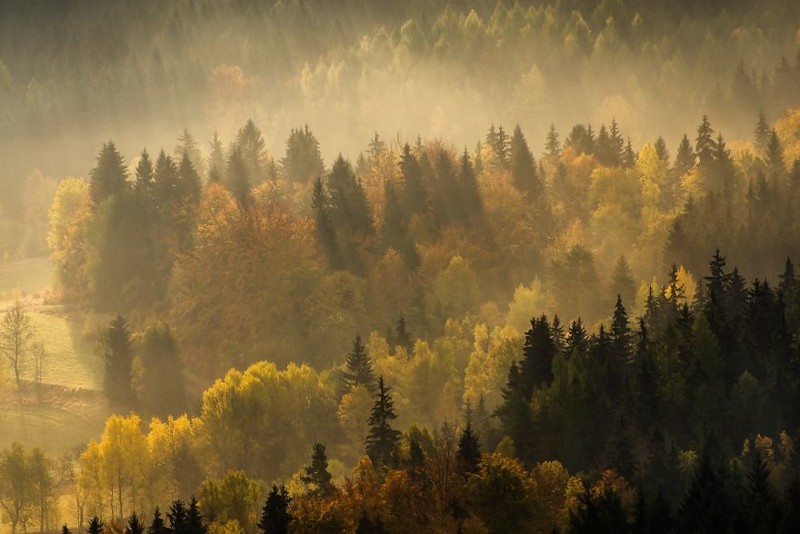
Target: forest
[{"x": 386, "y": 267}]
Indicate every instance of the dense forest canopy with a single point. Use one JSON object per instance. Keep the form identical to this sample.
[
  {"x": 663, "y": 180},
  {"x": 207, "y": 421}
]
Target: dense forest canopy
[{"x": 394, "y": 266}]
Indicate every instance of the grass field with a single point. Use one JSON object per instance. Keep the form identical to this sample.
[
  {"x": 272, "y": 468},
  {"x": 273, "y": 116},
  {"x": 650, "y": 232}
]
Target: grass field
[{"x": 71, "y": 410}]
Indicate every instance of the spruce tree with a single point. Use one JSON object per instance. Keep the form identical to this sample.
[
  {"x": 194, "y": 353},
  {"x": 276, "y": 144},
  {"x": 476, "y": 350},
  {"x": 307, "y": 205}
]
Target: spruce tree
[
  {"x": 394, "y": 220},
  {"x": 523, "y": 166},
  {"x": 622, "y": 283},
  {"x": 135, "y": 526},
  {"x": 382, "y": 440},
  {"x": 661, "y": 150},
  {"x": 178, "y": 519},
  {"x": 250, "y": 145},
  {"x": 317, "y": 477},
  {"x": 116, "y": 349},
  {"x": 416, "y": 196},
  {"x": 65, "y": 529},
  {"x": 515, "y": 414},
  {"x": 325, "y": 230},
  {"x": 238, "y": 178},
  {"x": 194, "y": 519},
  {"x": 621, "y": 337},
  {"x": 303, "y": 160},
  {"x": 189, "y": 185},
  {"x": 762, "y": 133},
  {"x": 216, "y": 160},
  {"x": 552, "y": 146},
  {"x": 157, "y": 524},
  {"x": 538, "y": 352},
  {"x": 704, "y": 144},
  {"x": 95, "y": 526},
  {"x": 468, "y": 184},
  {"x": 109, "y": 177},
  {"x": 685, "y": 158},
  {"x": 468, "y": 453},
  {"x": 402, "y": 337},
  {"x": 275, "y": 516},
  {"x": 359, "y": 368},
  {"x": 774, "y": 156},
  {"x": 144, "y": 178}
]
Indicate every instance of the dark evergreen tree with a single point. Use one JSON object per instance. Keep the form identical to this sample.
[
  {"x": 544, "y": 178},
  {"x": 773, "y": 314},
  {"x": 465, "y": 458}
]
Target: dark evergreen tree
[
  {"x": 187, "y": 148},
  {"x": 621, "y": 337},
  {"x": 469, "y": 450},
  {"x": 157, "y": 525},
  {"x": 216, "y": 160},
  {"x": 601, "y": 513},
  {"x": 65, "y": 529},
  {"x": 348, "y": 200},
  {"x": 394, "y": 219},
  {"x": 704, "y": 144},
  {"x": 95, "y": 526},
  {"x": 628, "y": 156},
  {"x": 416, "y": 196},
  {"x": 359, "y": 368},
  {"x": 303, "y": 160},
  {"x": 382, "y": 440},
  {"x": 705, "y": 507},
  {"x": 515, "y": 415},
  {"x": 194, "y": 519},
  {"x": 189, "y": 184},
  {"x": 135, "y": 526},
  {"x": 275, "y": 516},
  {"x": 685, "y": 158},
  {"x": 774, "y": 156},
  {"x": 523, "y": 166},
  {"x": 238, "y": 178},
  {"x": 622, "y": 283},
  {"x": 576, "y": 340},
  {"x": 317, "y": 477},
  {"x": 402, "y": 337},
  {"x": 250, "y": 145},
  {"x": 552, "y": 147},
  {"x": 115, "y": 347},
  {"x": 368, "y": 526},
  {"x": 468, "y": 184},
  {"x": 537, "y": 356},
  {"x": 109, "y": 177},
  {"x": 762, "y": 133},
  {"x": 580, "y": 139},
  {"x": 620, "y": 450},
  {"x": 617, "y": 144},
  {"x": 144, "y": 178},
  {"x": 178, "y": 517},
  {"x": 326, "y": 232},
  {"x": 661, "y": 149}
]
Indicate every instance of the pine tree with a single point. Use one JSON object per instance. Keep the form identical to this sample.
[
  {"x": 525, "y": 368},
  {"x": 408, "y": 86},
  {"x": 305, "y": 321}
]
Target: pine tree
[
  {"x": 144, "y": 178},
  {"x": 394, "y": 220},
  {"x": 194, "y": 519},
  {"x": 238, "y": 178},
  {"x": 65, "y": 529},
  {"x": 469, "y": 450},
  {"x": 109, "y": 177},
  {"x": 416, "y": 196},
  {"x": 628, "y": 156},
  {"x": 515, "y": 414},
  {"x": 95, "y": 526},
  {"x": 157, "y": 524},
  {"x": 187, "y": 148},
  {"x": 774, "y": 156},
  {"x": 661, "y": 150},
  {"x": 382, "y": 440},
  {"x": 178, "y": 519},
  {"x": 216, "y": 160},
  {"x": 620, "y": 452},
  {"x": 134, "y": 525},
  {"x": 552, "y": 147},
  {"x": 359, "y": 368},
  {"x": 685, "y": 158},
  {"x": 250, "y": 145},
  {"x": 617, "y": 144},
  {"x": 468, "y": 183},
  {"x": 538, "y": 352},
  {"x": 704, "y": 144},
  {"x": 761, "y": 133},
  {"x": 401, "y": 335},
  {"x": 116, "y": 349},
  {"x": 326, "y": 233},
  {"x": 275, "y": 516},
  {"x": 622, "y": 282},
  {"x": 523, "y": 166},
  {"x": 303, "y": 160},
  {"x": 166, "y": 183},
  {"x": 317, "y": 476},
  {"x": 621, "y": 338},
  {"x": 189, "y": 184}
]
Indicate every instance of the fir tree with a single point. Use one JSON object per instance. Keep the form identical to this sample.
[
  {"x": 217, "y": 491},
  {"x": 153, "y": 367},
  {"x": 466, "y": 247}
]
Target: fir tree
[
  {"x": 538, "y": 352},
  {"x": 134, "y": 525},
  {"x": 303, "y": 160},
  {"x": 326, "y": 233},
  {"x": 661, "y": 150},
  {"x": 685, "y": 158},
  {"x": 238, "y": 178},
  {"x": 762, "y": 133},
  {"x": 621, "y": 332},
  {"x": 416, "y": 196},
  {"x": 95, "y": 526},
  {"x": 394, "y": 220},
  {"x": 317, "y": 476},
  {"x": 65, "y": 529},
  {"x": 109, "y": 177},
  {"x": 523, "y": 166},
  {"x": 144, "y": 178},
  {"x": 515, "y": 414},
  {"x": 402, "y": 337},
  {"x": 250, "y": 145},
  {"x": 468, "y": 183},
  {"x": 620, "y": 451},
  {"x": 359, "y": 368},
  {"x": 774, "y": 156},
  {"x": 704, "y": 144},
  {"x": 552, "y": 147},
  {"x": 187, "y": 148},
  {"x": 469, "y": 450},
  {"x": 194, "y": 519},
  {"x": 116, "y": 349},
  {"x": 275, "y": 516},
  {"x": 382, "y": 440},
  {"x": 189, "y": 184},
  {"x": 178, "y": 518},
  {"x": 157, "y": 524},
  {"x": 216, "y": 160},
  {"x": 622, "y": 283}
]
